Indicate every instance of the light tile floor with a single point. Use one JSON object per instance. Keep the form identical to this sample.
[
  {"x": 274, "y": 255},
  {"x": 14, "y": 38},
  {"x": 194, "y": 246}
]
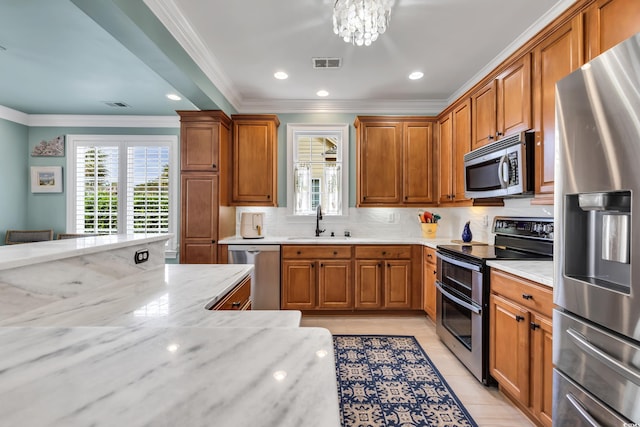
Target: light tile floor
[{"x": 487, "y": 405}]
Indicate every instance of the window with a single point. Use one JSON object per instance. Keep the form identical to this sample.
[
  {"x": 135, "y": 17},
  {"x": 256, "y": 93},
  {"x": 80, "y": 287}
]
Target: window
[
  {"x": 317, "y": 165},
  {"x": 122, "y": 184}
]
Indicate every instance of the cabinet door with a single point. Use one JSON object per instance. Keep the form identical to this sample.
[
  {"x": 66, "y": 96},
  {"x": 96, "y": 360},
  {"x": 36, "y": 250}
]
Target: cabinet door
[
  {"x": 298, "y": 285},
  {"x": 429, "y": 285},
  {"x": 199, "y": 218},
  {"x": 461, "y": 146},
  {"x": 542, "y": 368},
  {"x": 334, "y": 284},
  {"x": 514, "y": 98},
  {"x": 509, "y": 347},
  {"x": 418, "y": 163},
  {"x": 380, "y": 163},
  {"x": 397, "y": 284},
  {"x": 199, "y": 146},
  {"x": 445, "y": 129},
  {"x": 254, "y": 162},
  {"x": 554, "y": 58},
  {"x": 368, "y": 284},
  {"x": 483, "y": 120},
  {"x": 610, "y": 22}
]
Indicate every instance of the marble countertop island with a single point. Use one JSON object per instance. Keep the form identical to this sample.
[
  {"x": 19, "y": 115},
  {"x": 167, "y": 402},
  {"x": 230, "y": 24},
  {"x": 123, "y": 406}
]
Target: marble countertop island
[
  {"x": 537, "y": 271},
  {"x": 116, "y": 344}
]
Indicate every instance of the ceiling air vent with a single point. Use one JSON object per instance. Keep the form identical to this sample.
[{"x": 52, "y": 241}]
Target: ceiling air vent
[
  {"x": 327, "y": 63},
  {"x": 117, "y": 104}
]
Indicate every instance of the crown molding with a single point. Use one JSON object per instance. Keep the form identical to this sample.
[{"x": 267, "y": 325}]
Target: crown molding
[
  {"x": 107, "y": 121},
  {"x": 14, "y": 115},
  {"x": 172, "y": 17},
  {"x": 422, "y": 107},
  {"x": 527, "y": 35}
]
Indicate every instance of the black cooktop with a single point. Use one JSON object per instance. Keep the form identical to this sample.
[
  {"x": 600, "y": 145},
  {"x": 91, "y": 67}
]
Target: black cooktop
[{"x": 490, "y": 252}]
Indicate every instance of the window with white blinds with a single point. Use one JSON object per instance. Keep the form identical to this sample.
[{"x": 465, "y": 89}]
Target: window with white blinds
[{"x": 122, "y": 184}]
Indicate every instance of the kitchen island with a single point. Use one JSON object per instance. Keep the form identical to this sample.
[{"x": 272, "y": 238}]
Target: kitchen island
[{"x": 141, "y": 349}]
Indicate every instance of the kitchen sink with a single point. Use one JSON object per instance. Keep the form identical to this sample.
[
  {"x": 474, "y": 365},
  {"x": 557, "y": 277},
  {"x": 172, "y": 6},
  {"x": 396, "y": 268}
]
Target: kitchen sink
[{"x": 317, "y": 238}]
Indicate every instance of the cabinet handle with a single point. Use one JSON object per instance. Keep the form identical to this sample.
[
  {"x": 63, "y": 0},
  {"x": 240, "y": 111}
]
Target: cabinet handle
[
  {"x": 321, "y": 265},
  {"x": 268, "y": 196},
  {"x": 388, "y": 265},
  {"x": 527, "y": 296},
  {"x": 312, "y": 265},
  {"x": 499, "y": 133},
  {"x": 213, "y": 241},
  {"x": 384, "y": 253},
  {"x": 435, "y": 272},
  {"x": 213, "y": 165},
  {"x": 406, "y": 197},
  {"x": 429, "y": 256},
  {"x": 453, "y": 196},
  {"x": 490, "y": 137},
  {"x": 298, "y": 252},
  {"x": 235, "y": 304},
  {"x": 335, "y": 252},
  {"x": 364, "y": 197},
  {"x": 519, "y": 318},
  {"x": 534, "y": 326}
]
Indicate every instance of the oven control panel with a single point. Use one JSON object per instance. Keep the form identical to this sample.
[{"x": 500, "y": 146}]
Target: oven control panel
[{"x": 540, "y": 228}]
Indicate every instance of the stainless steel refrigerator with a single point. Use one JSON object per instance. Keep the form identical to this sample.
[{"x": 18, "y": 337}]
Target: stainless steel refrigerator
[{"x": 596, "y": 324}]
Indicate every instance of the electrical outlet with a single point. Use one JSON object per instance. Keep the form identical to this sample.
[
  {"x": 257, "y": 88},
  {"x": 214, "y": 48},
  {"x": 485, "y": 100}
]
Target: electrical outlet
[
  {"x": 485, "y": 220},
  {"x": 141, "y": 256}
]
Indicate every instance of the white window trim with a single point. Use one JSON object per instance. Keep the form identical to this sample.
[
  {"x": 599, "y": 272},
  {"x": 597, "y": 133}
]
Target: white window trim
[
  {"x": 72, "y": 142},
  {"x": 343, "y": 129}
]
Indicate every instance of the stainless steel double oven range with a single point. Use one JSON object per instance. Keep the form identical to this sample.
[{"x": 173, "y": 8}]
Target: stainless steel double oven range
[{"x": 462, "y": 302}]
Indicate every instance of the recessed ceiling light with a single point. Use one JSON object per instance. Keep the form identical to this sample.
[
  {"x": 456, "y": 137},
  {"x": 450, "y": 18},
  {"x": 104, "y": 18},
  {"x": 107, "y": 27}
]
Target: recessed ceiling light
[
  {"x": 173, "y": 97},
  {"x": 281, "y": 75},
  {"x": 416, "y": 75},
  {"x": 322, "y": 93}
]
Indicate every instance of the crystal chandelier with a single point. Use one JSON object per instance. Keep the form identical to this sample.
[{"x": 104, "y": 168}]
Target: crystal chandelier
[{"x": 361, "y": 21}]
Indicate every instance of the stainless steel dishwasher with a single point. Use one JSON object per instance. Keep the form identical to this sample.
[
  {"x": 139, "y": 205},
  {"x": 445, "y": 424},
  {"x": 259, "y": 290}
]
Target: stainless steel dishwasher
[{"x": 265, "y": 279}]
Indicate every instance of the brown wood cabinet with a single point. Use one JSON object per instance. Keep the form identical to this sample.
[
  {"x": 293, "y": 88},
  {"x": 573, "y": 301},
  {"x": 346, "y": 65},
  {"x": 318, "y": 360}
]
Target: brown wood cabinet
[
  {"x": 554, "y": 58},
  {"x": 394, "y": 161},
  {"x": 316, "y": 277},
  {"x": 455, "y": 142},
  {"x": 254, "y": 160},
  {"x": 483, "y": 121},
  {"x": 204, "y": 171},
  {"x": 239, "y": 298},
  {"x": 609, "y": 22},
  {"x": 429, "y": 276},
  {"x": 383, "y": 277},
  {"x": 520, "y": 342}
]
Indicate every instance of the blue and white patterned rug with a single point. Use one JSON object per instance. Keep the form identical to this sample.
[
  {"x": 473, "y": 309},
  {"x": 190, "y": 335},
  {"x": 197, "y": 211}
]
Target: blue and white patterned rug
[{"x": 390, "y": 381}]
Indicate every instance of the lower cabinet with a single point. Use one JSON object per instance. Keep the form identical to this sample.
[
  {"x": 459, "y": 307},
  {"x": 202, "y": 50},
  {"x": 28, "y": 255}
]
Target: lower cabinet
[
  {"x": 342, "y": 277},
  {"x": 239, "y": 298},
  {"x": 429, "y": 275},
  {"x": 520, "y": 342}
]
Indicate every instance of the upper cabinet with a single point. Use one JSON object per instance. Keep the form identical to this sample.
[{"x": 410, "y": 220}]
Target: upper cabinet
[
  {"x": 394, "y": 161},
  {"x": 503, "y": 105},
  {"x": 454, "y": 132},
  {"x": 200, "y": 137},
  {"x": 609, "y": 22},
  {"x": 254, "y": 159},
  {"x": 554, "y": 58}
]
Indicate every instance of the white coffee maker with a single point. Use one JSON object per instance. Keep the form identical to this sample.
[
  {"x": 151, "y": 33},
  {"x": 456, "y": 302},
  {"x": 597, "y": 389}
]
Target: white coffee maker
[{"x": 251, "y": 225}]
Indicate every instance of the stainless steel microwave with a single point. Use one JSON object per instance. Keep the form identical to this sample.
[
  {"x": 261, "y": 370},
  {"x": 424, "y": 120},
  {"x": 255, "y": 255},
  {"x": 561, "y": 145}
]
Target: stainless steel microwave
[{"x": 501, "y": 169}]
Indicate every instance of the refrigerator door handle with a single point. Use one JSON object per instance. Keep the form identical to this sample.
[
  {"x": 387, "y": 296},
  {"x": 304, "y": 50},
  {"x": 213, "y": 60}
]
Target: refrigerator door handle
[
  {"x": 595, "y": 352},
  {"x": 582, "y": 411}
]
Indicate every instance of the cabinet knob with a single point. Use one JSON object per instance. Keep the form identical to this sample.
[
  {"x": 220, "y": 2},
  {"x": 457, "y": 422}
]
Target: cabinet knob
[
  {"x": 388, "y": 265},
  {"x": 268, "y": 196},
  {"x": 499, "y": 133},
  {"x": 312, "y": 265},
  {"x": 321, "y": 265},
  {"x": 429, "y": 256},
  {"x": 298, "y": 252},
  {"x": 406, "y": 197},
  {"x": 384, "y": 253},
  {"x": 364, "y": 197},
  {"x": 379, "y": 265},
  {"x": 335, "y": 252},
  {"x": 490, "y": 137},
  {"x": 213, "y": 165},
  {"x": 519, "y": 318},
  {"x": 534, "y": 326},
  {"x": 453, "y": 196},
  {"x": 527, "y": 296},
  {"x": 213, "y": 241}
]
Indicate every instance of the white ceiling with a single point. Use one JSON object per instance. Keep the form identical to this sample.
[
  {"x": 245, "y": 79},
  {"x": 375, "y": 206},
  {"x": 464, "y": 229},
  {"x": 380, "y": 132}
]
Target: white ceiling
[{"x": 69, "y": 56}]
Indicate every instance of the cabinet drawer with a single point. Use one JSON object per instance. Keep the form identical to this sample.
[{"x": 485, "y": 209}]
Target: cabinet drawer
[
  {"x": 316, "y": 252},
  {"x": 385, "y": 252},
  {"x": 238, "y": 298},
  {"x": 429, "y": 256},
  {"x": 524, "y": 292}
]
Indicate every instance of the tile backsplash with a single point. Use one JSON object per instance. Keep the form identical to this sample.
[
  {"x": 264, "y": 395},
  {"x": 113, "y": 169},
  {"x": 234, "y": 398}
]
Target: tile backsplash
[{"x": 396, "y": 222}]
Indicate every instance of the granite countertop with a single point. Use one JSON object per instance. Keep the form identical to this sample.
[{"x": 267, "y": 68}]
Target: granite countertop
[
  {"x": 537, "y": 271},
  {"x": 167, "y": 377},
  {"x": 338, "y": 240},
  {"x": 171, "y": 295},
  {"x": 12, "y": 256}
]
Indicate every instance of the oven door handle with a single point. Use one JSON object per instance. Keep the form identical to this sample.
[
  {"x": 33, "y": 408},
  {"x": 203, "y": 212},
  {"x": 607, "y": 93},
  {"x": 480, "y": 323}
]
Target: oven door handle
[
  {"x": 457, "y": 300},
  {"x": 582, "y": 411},
  {"x": 458, "y": 262}
]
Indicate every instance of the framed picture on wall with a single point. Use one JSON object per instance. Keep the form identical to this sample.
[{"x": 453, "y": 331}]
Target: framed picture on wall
[{"x": 46, "y": 179}]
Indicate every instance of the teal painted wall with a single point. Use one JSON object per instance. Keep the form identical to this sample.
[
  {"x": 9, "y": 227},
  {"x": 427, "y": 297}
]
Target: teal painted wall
[
  {"x": 320, "y": 118},
  {"x": 48, "y": 210},
  {"x": 14, "y": 176}
]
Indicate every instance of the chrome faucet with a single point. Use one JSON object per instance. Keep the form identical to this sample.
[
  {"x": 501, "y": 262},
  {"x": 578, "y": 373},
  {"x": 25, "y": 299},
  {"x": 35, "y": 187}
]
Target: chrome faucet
[{"x": 318, "y": 218}]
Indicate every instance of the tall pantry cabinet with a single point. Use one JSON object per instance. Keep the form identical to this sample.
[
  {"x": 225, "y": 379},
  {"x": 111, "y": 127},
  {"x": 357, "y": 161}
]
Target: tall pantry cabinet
[{"x": 205, "y": 216}]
